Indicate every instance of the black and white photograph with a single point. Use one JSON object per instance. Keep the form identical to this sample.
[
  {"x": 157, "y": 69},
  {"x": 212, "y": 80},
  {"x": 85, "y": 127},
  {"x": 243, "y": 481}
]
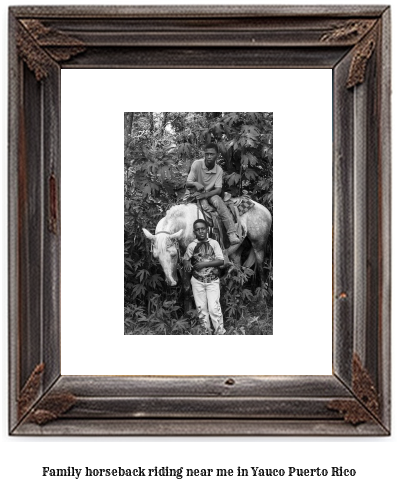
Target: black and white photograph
[{"x": 198, "y": 236}]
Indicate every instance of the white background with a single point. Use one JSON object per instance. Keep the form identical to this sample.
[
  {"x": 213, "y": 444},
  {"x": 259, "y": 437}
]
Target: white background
[
  {"x": 375, "y": 459},
  {"x": 92, "y": 221}
]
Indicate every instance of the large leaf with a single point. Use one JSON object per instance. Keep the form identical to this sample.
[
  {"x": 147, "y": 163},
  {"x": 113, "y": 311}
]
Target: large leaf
[
  {"x": 248, "y": 159},
  {"x": 230, "y": 119},
  {"x": 155, "y": 280},
  {"x": 249, "y": 136},
  {"x": 138, "y": 290},
  {"x": 151, "y": 167},
  {"x": 218, "y": 130},
  {"x": 252, "y": 160},
  {"x": 184, "y": 149},
  {"x": 257, "y": 118},
  {"x": 142, "y": 274},
  {"x": 251, "y": 174},
  {"x": 233, "y": 179},
  {"x": 262, "y": 184}
]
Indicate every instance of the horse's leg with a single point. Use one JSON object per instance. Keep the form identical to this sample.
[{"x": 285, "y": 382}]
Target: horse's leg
[
  {"x": 232, "y": 250},
  {"x": 236, "y": 256},
  {"x": 258, "y": 223},
  {"x": 259, "y": 258}
]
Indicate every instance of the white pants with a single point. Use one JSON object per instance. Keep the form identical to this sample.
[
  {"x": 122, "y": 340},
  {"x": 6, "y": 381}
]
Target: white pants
[{"x": 207, "y": 300}]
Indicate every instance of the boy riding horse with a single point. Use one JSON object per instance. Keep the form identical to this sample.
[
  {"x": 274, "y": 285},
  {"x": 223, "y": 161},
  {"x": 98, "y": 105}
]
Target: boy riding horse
[{"x": 206, "y": 176}]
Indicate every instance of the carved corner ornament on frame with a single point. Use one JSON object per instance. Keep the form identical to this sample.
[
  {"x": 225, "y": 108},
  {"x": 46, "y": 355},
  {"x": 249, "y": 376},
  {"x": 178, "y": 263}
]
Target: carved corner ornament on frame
[{"x": 354, "y": 42}]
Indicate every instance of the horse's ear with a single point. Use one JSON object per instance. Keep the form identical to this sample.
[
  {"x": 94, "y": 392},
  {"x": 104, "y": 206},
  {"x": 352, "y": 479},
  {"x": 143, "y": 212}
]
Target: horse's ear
[
  {"x": 148, "y": 234},
  {"x": 177, "y": 235}
]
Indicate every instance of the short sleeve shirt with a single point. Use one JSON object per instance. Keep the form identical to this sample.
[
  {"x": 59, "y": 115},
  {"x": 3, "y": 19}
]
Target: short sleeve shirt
[
  {"x": 204, "y": 251},
  {"x": 209, "y": 178}
]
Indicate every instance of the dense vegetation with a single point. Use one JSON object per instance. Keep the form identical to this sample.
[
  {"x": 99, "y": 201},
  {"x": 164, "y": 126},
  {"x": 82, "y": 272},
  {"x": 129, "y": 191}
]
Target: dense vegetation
[{"x": 159, "y": 150}]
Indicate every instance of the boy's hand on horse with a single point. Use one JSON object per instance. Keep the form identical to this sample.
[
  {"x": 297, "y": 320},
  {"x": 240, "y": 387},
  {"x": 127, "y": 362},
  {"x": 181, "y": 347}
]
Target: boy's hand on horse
[
  {"x": 187, "y": 265},
  {"x": 196, "y": 185},
  {"x": 201, "y": 196}
]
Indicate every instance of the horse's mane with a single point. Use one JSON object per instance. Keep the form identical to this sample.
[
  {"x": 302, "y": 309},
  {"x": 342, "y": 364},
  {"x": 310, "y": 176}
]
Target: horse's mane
[{"x": 176, "y": 212}]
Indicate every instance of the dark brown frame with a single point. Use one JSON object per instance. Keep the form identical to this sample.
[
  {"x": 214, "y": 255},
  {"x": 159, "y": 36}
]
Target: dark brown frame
[{"x": 353, "y": 41}]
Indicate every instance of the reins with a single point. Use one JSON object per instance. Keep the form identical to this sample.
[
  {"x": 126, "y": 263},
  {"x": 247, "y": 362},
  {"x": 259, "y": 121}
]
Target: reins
[
  {"x": 199, "y": 205},
  {"x": 176, "y": 243}
]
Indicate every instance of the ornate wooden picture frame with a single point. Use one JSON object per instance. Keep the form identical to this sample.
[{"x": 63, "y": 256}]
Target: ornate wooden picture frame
[{"x": 353, "y": 41}]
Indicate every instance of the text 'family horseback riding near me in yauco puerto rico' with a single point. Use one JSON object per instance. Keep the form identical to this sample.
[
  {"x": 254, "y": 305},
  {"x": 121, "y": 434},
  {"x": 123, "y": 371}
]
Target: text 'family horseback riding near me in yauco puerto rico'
[{"x": 198, "y": 223}]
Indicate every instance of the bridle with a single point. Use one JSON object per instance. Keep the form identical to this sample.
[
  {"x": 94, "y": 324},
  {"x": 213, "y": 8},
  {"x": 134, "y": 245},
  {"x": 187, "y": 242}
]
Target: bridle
[{"x": 177, "y": 246}]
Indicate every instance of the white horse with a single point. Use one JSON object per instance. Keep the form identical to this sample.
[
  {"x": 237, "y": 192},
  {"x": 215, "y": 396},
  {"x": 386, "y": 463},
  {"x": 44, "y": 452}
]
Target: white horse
[{"x": 175, "y": 231}]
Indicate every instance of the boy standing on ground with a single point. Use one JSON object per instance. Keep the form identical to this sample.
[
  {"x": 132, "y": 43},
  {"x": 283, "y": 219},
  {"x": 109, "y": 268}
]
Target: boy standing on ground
[{"x": 204, "y": 257}]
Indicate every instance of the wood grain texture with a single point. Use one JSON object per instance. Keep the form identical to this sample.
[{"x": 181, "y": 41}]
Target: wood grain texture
[
  {"x": 384, "y": 334},
  {"x": 204, "y": 386},
  {"x": 14, "y": 92},
  {"x": 344, "y": 30},
  {"x": 360, "y": 226},
  {"x": 203, "y": 37},
  {"x": 198, "y": 407},
  {"x": 372, "y": 235},
  {"x": 30, "y": 229},
  {"x": 51, "y": 247},
  {"x": 205, "y": 11},
  {"x": 263, "y": 31},
  {"x": 199, "y": 427},
  {"x": 145, "y": 57},
  {"x": 343, "y": 221}
]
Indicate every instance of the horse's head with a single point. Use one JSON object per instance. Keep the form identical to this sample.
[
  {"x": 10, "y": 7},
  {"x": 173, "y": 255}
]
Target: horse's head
[{"x": 165, "y": 249}]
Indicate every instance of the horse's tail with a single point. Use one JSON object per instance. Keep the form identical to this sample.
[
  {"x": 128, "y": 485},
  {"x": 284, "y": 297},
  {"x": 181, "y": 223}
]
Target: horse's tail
[{"x": 250, "y": 261}]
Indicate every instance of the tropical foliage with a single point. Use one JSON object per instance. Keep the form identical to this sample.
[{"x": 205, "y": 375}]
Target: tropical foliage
[{"x": 159, "y": 150}]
